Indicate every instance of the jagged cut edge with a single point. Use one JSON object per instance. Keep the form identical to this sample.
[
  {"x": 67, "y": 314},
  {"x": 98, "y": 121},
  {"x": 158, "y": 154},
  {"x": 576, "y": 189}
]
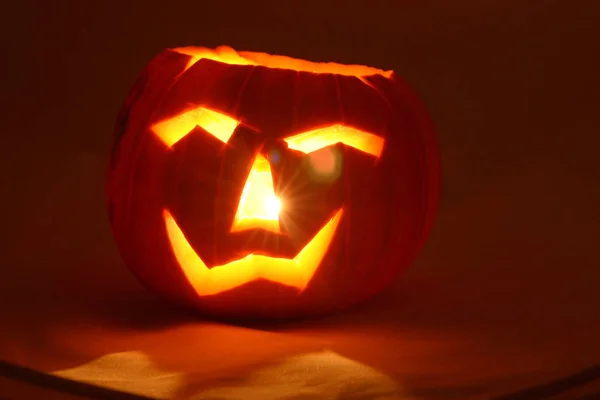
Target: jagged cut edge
[{"x": 228, "y": 55}]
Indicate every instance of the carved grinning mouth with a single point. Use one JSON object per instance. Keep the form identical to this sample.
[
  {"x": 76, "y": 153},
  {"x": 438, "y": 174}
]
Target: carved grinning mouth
[{"x": 295, "y": 272}]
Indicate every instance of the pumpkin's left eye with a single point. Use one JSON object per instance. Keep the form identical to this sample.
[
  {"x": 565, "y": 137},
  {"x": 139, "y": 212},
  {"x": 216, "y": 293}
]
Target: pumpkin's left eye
[
  {"x": 174, "y": 129},
  {"x": 316, "y": 139}
]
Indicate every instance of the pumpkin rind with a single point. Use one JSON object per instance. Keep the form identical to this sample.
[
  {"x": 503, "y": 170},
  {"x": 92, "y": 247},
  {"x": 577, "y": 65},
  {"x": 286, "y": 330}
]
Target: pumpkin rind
[{"x": 389, "y": 199}]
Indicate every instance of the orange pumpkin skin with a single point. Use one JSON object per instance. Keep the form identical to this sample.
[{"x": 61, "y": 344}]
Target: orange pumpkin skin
[{"x": 388, "y": 201}]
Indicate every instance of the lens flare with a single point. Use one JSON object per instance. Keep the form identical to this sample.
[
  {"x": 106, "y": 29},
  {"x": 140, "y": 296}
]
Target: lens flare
[
  {"x": 273, "y": 205},
  {"x": 325, "y": 164}
]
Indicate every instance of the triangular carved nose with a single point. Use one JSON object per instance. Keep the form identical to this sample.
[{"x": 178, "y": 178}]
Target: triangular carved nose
[{"x": 258, "y": 207}]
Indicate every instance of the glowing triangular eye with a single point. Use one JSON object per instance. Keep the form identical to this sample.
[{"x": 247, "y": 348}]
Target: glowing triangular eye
[
  {"x": 174, "y": 129},
  {"x": 310, "y": 141},
  {"x": 258, "y": 207}
]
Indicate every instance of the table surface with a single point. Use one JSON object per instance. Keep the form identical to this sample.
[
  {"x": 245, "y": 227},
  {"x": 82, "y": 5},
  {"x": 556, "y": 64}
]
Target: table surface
[{"x": 504, "y": 296}]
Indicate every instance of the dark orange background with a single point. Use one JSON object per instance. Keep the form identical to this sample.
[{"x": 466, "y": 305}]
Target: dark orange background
[{"x": 505, "y": 294}]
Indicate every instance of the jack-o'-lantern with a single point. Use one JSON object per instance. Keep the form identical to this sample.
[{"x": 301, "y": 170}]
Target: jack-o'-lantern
[{"x": 251, "y": 185}]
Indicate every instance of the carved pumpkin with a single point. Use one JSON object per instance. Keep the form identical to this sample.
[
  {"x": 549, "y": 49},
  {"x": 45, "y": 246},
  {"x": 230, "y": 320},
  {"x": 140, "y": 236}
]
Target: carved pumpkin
[{"x": 251, "y": 185}]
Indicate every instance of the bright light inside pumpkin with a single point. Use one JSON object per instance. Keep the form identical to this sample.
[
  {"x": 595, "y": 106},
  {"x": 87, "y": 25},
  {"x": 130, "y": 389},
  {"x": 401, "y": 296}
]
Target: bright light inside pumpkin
[
  {"x": 273, "y": 204},
  {"x": 258, "y": 207},
  {"x": 228, "y": 55}
]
